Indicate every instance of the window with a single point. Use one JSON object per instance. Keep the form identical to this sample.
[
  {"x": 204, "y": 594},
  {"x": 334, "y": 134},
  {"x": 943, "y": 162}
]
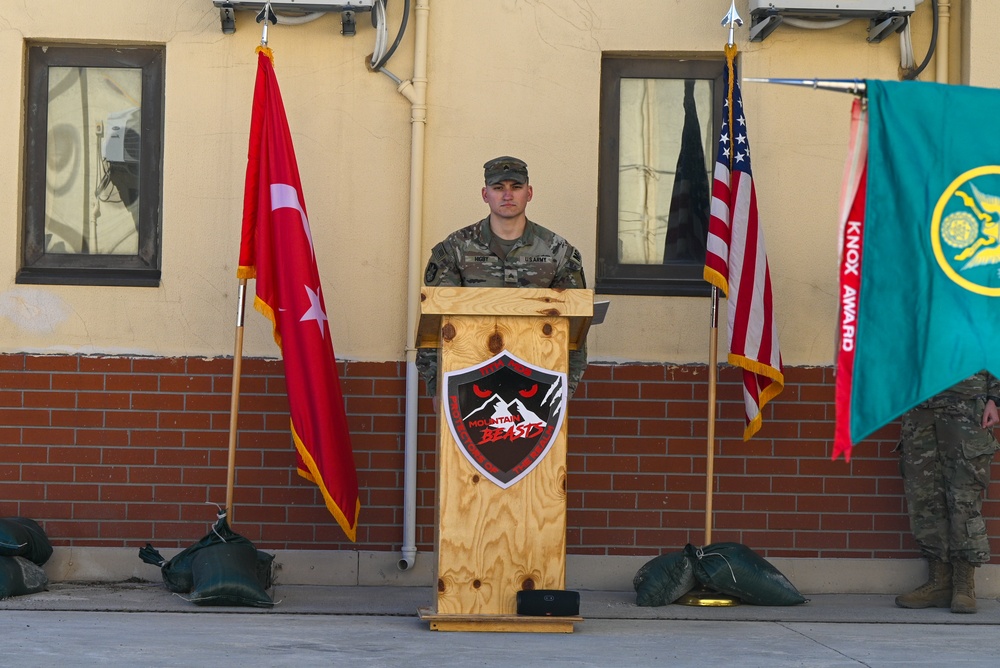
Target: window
[
  {"x": 659, "y": 129},
  {"x": 93, "y": 166}
]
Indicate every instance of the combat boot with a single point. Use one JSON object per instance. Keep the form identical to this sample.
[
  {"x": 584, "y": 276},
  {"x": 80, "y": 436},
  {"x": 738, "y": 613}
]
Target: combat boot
[
  {"x": 963, "y": 598},
  {"x": 935, "y": 593}
]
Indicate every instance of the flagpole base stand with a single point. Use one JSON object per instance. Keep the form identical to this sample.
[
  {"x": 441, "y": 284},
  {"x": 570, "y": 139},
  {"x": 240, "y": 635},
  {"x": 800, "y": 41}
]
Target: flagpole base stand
[
  {"x": 708, "y": 599},
  {"x": 497, "y": 623}
]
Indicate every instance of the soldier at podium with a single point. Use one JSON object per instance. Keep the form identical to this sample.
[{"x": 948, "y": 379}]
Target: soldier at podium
[{"x": 504, "y": 250}]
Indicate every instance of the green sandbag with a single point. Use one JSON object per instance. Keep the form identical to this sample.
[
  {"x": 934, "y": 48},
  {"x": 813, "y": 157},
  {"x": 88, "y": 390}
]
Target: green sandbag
[
  {"x": 226, "y": 574},
  {"x": 736, "y": 570},
  {"x": 20, "y": 576},
  {"x": 177, "y": 572},
  {"x": 663, "y": 580},
  {"x": 23, "y": 537}
]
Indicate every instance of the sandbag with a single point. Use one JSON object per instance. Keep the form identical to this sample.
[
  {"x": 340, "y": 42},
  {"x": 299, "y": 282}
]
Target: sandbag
[
  {"x": 226, "y": 574},
  {"x": 736, "y": 570},
  {"x": 663, "y": 580},
  {"x": 177, "y": 572},
  {"x": 23, "y": 537},
  {"x": 20, "y": 576}
]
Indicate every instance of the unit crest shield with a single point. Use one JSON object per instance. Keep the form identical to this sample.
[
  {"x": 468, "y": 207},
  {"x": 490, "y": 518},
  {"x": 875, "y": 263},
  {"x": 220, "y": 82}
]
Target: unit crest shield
[{"x": 504, "y": 415}]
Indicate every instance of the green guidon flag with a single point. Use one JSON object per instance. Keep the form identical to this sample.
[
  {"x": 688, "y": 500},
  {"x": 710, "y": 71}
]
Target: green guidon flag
[{"x": 920, "y": 252}]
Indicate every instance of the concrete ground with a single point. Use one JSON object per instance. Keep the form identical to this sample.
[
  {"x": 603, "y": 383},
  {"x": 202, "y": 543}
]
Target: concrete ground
[{"x": 142, "y": 624}]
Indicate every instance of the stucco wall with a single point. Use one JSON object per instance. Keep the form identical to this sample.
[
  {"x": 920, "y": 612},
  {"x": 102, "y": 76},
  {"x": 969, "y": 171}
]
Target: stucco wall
[{"x": 505, "y": 76}]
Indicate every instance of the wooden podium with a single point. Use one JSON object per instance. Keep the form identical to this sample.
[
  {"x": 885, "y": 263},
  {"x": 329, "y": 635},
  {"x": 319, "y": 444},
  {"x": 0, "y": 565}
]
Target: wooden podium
[{"x": 492, "y": 541}]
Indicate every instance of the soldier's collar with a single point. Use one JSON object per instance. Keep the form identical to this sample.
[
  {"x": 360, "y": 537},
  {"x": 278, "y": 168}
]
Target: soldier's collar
[{"x": 487, "y": 235}]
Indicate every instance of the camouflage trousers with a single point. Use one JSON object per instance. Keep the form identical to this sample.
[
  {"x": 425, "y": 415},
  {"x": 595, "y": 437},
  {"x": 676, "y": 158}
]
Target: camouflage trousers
[{"x": 945, "y": 462}]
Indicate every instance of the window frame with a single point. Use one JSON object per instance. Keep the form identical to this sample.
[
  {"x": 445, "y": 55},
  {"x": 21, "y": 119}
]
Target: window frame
[
  {"x": 139, "y": 270},
  {"x": 668, "y": 279}
]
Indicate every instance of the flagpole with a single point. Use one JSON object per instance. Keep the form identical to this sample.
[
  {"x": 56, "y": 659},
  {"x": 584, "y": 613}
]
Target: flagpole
[
  {"x": 731, "y": 20},
  {"x": 853, "y": 86},
  {"x": 266, "y": 15},
  {"x": 234, "y": 404},
  {"x": 713, "y": 364}
]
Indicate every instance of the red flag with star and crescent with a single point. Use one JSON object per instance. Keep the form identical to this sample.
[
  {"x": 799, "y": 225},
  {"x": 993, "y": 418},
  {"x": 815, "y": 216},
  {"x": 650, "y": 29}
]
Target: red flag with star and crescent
[{"x": 276, "y": 249}]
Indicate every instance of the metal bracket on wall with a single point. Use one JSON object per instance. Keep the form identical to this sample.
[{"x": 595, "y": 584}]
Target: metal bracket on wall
[{"x": 346, "y": 8}]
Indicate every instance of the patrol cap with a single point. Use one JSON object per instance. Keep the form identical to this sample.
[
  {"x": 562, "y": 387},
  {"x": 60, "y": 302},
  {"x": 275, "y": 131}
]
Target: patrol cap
[{"x": 505, "y": 168}]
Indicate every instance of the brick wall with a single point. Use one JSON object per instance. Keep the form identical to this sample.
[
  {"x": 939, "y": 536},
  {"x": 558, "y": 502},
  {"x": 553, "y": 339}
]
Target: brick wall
[{"x": 118, "y": 452}]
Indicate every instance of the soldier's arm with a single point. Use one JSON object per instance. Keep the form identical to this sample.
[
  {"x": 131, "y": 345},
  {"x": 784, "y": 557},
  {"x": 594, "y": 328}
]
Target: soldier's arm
[
  {"x": 569, "y": 274},
  {"x": 441, "y": 270},
  {"x": 992, "y": 388},
  {"x": 577, "y": 365},
  {"x": 991, "y": 416}
]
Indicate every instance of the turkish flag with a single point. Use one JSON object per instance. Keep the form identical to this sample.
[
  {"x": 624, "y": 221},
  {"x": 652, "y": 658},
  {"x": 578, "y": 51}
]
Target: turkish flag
[{"x": 276, "y": 249}]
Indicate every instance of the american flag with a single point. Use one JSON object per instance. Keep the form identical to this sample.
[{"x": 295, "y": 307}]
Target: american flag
[{"x": 736, "y": 261}]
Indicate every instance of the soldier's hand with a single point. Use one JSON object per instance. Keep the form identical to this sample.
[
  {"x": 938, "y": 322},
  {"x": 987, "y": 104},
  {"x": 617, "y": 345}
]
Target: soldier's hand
[{"x": 990, "y": 415}]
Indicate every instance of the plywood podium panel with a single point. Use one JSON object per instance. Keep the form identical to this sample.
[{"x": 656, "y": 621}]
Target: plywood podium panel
[{"x": 491, "y": 541}]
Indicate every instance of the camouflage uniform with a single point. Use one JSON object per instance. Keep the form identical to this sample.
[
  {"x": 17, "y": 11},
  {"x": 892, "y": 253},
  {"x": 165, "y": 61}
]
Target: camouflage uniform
[
  {"x": 473, "y": 257},
  {"x": 945, "y": 457}
]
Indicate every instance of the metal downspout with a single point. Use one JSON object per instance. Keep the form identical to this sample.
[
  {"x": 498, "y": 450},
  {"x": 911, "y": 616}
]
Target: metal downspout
[
  {"x": 415, "y": 91},
  {"x": 942, "y": 55}
]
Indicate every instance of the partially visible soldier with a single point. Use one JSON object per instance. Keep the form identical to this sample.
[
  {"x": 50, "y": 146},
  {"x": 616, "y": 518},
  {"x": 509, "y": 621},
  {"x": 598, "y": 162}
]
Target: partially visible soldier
[
  {"x": 504, "y": 250},
  {"x": 946, "y": 448}
]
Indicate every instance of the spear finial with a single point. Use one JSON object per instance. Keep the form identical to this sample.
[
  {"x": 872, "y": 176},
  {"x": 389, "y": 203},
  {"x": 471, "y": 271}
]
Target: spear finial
[
  {"x": 733, "y": 20},
  {"x": 266, "y": 15}
]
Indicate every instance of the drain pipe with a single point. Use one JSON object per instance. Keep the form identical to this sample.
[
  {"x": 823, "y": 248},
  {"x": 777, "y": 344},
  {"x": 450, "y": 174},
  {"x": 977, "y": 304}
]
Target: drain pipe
[
  {"x": 415, "y": 91},
  {"x": 942, "y": 55}
]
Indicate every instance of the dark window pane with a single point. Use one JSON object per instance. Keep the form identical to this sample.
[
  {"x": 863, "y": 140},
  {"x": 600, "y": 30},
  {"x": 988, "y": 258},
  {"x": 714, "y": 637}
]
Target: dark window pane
[
  {"x": 658, "y": 117},
  {"x": 93, "y": 166}
]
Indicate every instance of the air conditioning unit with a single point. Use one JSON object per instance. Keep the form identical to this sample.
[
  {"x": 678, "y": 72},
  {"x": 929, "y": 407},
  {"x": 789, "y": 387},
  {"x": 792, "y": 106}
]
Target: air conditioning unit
[
  {"x": 122, "y": 136},
  {"x": 885, "y": 16}
]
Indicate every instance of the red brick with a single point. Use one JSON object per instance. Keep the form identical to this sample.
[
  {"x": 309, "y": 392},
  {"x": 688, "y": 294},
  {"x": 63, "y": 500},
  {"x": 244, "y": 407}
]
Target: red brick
[
  {"x": 132, "y": 383},
  {"x": 45, "y": 436},
  {"x": 101, "y": 474},
  {"x": 152, "y": 402},
  {"x": 182, "y": 420},
  {"x": 78, "y": 382},
  {"x": 34, "y": 418},
  {"x": 117, "y": 440},
  {"x": 46, "y": 473},
  {"x": 105, "y": 365},
  {"x": 102, "y": 400},
  {"x": 158, "y": 365},
  {"x": 634, "y": 373},
  {"x": 640, "y": 409},
  {"x": 12, "y": 362},
  {"x": 612, "y": 390},
  {"x": 34, "y": 399},
  {"x": 143, "y": 438},
  {"x": 106, "y": 511},
  {"x": 75, "y": 455},
  {"x": 77, "y": 419},
  {"x": 129, "y": 493},
  {"x": 76, "y": 493},
  {"x": 51, "y": 363},
  {"x": 185, "y": 384},
  {"x": 27, "y": 380}
]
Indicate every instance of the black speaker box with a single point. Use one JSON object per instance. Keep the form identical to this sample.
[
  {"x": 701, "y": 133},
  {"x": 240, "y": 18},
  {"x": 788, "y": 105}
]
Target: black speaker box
[{"x": 548, "y": 603}]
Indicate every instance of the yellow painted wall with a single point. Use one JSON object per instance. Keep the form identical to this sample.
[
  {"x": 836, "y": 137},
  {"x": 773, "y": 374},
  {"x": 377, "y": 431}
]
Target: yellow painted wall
[{"x": 516, "y": 77}]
